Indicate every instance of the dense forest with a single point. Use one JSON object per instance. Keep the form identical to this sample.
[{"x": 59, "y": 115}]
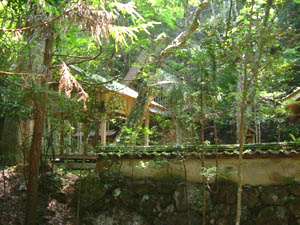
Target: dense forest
[{"x": 79, "y": 75}]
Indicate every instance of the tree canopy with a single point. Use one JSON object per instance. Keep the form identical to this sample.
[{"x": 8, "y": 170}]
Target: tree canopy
[{"x": 219, "y": 69}]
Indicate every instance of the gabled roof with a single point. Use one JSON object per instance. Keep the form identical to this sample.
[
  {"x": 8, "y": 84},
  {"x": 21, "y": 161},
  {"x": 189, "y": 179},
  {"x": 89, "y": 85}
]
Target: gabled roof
[
  {"x": 295, "y": 95},
  {"x": 117, "y": 87}
]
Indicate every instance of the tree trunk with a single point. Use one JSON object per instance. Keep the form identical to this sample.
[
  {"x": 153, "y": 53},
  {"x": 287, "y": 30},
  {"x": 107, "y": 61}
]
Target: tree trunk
[
  {"x": 39, "y": 114},
  {"x": 34, "y": 162},
  {"x": 243, "y": 79},
  {"x": 137, "y": 114},
  {"x": 241, "y": 141},
  {"x": 246, "y": 84},
  {"x": 186, "y": 13},
  {"x": 228, "y": 18},
  {"x": 214, "y": 108},
  {"x": 11, "y": 140},
  {"x": 216, "y": 142},
  {"x": 204, "y": 180}
]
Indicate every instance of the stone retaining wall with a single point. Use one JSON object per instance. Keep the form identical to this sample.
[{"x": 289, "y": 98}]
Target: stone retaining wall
[{"x": 121, "y": 200}]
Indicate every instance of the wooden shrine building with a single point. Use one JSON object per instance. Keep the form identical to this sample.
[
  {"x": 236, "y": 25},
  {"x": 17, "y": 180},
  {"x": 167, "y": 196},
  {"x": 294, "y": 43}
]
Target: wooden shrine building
[
  {"x": 293, "y": 105},
  {"x": 111, "y": 99}
]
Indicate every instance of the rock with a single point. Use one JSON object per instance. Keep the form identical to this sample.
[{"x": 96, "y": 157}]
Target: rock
[
  {"x": 143, "y": 188},
  {"x": 193, "y": 199},
  {"x": 149, "y": 205},
  {"x": 91, "y": 193},
  {"x": 184, "y": 218},
  {"x": 157, "y": 221},
  {"x": 129, "y": 198},
  {"x": 179, "y": 197},
  {"x": 120, "y": 216},
  {"x": 294, "y": 207},
  {"x": 165, "y": 188},
  {"x": 223, "y": 214},
  {"x": 195, "y": 219},
  {"x": 170, "y": 209},
  {"x": 165, "y": 200},
  {"x": 225, "y": 192},
  {"x": 250, "y": 197},
  {"x": 294, "y": 189},
  {"x": 272, "y": 215},
  {"x": 274, "y": 195},
  {"x": 246, "y": 218},
  {"x": 223, "y": 210},
  {"x": 223, "y": 221},
  {"x": 22, "y": 187}
]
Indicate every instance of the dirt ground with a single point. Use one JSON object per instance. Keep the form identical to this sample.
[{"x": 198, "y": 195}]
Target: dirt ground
[{"x": 54, "y": 194}]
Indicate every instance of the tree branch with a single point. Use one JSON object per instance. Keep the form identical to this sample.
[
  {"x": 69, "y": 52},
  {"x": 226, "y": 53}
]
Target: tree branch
[
  {"x": 85, "y": 59},
  {"x": 14, "y": 83},
  {"x": 89, "y": 59},
  {"x": 21, "y": 74},
  {"x": 182, "y": 38},
  {"x": 72, "y": 56},
  {"x": 46, "y": 23}
]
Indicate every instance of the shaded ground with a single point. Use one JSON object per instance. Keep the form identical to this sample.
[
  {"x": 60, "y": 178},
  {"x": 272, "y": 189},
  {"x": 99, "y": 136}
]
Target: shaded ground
[{"x": 55, "y": 190}]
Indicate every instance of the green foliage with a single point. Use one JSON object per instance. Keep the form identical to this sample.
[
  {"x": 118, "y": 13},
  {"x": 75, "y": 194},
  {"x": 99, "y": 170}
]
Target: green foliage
[
  {"x": 117, "y": 192},
  {"x": 291, "y": 197},
  {"x": 134, "y": 137},
  {"x": 213, "y": 56},
  {"x": 167, "y": 12},
  {"x": 297, "y": 140},
  {"x": 209, "y": 172},
  {"x": 90, "y": 184},
  {"x": 13, "y": 101}
]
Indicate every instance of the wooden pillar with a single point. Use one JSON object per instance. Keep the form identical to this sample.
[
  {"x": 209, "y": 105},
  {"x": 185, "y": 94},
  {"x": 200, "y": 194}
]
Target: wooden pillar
[
  {"x": 146, "y": 137},
  {"x": 96, "y": 137},
  {"x": 178, "y": 132},
  {"x": 79, "y": 137},
  {"x": 69, "y": 135},
  {"x": 84, "y": 138},
  {"x": 103, "y": 130},
  {"x": 103, "y": 100},
  {"x": 62, "y": 138}
]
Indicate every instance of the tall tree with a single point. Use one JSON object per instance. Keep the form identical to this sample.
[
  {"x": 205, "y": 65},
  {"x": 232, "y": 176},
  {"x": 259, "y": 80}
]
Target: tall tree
[
  {"x": 147, "y": 94},
  {"x": 38, "y": 70},
  {"x": 255, "y": 57},
  {"x": 39, "y": 116}
]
